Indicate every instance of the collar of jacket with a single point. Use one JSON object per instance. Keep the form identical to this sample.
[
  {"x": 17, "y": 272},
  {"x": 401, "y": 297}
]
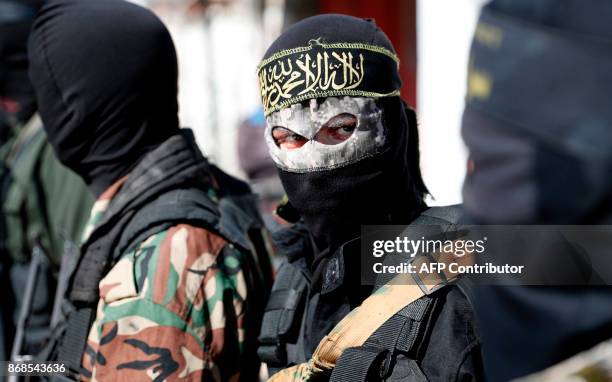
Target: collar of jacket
[
  {"x": 175, "y": 163},
  {"x": 295, "y": 243}
]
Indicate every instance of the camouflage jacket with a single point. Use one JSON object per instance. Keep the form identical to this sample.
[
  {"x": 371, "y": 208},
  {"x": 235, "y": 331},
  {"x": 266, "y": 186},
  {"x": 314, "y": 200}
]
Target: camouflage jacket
[{"x": 172, "y": 309}]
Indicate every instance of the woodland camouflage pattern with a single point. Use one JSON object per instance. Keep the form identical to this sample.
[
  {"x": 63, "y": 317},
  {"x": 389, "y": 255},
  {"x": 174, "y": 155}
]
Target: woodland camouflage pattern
[{"x": 171, "y": 310}]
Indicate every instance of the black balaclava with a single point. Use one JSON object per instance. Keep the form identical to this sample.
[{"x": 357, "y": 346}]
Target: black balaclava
[
  {"x": 17, "y": 99},
  {"x": 379, "y": 189},
  {"x": 105, "y": 74}
]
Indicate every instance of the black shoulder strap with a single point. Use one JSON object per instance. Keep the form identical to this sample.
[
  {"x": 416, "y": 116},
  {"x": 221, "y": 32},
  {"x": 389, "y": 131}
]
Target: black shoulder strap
[
  {"x": 177, "y": 206},
  {"x": 235, "y": 217},
  {"x": 241, "y": 222},
  {"x": 232, "y": 217},
  {"x": 403, "y": 332},
  {"x": 282, "y": 316}
]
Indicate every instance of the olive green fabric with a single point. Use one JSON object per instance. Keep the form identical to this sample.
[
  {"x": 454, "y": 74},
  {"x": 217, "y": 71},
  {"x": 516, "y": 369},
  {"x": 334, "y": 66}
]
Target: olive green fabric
[{"x": 46, "y": 202}]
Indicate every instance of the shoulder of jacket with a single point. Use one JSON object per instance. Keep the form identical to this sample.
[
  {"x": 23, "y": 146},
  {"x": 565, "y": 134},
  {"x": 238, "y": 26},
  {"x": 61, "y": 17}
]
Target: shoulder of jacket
[{"x": 440, "y": 215}]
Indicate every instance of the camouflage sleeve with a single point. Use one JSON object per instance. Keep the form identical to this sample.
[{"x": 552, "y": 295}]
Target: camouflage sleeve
[{"x": 171, "y": 310}]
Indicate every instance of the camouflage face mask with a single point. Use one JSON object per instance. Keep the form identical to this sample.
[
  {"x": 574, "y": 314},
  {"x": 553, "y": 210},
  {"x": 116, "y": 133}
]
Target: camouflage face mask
[{"x": 367, "y": 139}]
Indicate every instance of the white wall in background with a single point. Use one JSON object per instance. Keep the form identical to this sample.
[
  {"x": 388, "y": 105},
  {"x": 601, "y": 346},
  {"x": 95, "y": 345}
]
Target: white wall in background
[
  {"x": 218, "y": 52},
  {"x": 444, "y": 33}
]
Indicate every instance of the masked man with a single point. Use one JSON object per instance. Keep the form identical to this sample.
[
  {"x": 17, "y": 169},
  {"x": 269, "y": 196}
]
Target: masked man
[
  {"x": 43, "y": 205},
  {"x": 164, "y": 284},
  {"x": 346, "y": 148}
]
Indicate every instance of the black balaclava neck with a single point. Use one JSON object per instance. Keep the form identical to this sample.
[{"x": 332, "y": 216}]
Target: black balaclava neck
[
  {"x": 16, "y": 18},
  {"x": 377, "y": 190},
  {"x": 105, "y": 74},
  {"x": 383, "y": 189}
]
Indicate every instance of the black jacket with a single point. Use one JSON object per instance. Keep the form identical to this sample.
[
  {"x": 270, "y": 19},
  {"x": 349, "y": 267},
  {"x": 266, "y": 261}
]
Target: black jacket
[{"x": 448, "y": 348}]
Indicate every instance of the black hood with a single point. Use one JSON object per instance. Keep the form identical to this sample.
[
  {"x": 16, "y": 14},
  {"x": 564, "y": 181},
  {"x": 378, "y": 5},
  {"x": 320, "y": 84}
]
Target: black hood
[
  {"x": 382, "y": 189},
  {"x": 17, "y": 99},
  {"x": 105, "y": 74}
]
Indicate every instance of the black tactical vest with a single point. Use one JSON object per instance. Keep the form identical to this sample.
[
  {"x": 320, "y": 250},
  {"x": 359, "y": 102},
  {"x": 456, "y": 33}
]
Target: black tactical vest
[{"x": 404, "y": 336}]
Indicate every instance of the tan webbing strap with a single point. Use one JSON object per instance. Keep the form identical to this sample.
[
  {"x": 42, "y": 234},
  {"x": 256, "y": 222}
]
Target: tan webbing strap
[
  {"x": 353, "y": 330},
  {"x": 357, "y": 326}
]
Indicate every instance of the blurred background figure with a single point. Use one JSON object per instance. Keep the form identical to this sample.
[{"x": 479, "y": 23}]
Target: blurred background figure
[
  {"x": 537, "y": 124},
  {"x": 44, "y": 205},
  {"x": 259, "y": 168}
]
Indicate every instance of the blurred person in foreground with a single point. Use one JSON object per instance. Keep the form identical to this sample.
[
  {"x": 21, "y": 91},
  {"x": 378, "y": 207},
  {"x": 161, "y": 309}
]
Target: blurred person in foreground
[
  {"x": 537, "y": 125},
  {"x": 168, "y": 284},
  {"x": 346, "y": 148},
  {"x": 43, "y": 204}
]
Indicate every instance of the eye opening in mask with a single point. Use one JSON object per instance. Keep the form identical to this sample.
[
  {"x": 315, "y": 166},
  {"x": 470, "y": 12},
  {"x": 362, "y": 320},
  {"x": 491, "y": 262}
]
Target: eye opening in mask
[
  {"x": 335, "y": 131},
  {"x": 287, "y": 139}
]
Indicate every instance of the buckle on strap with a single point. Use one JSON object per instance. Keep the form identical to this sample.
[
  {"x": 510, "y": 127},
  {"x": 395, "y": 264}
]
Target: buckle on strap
[
  {"x": 440, "y": 280},
  {"x": 427, "y": 290}
]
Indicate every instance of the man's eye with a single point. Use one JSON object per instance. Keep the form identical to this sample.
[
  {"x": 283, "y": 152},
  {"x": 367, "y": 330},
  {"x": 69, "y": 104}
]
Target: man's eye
[
  {"x": 293, "y": 138},
  {"x": 347, "y": 129},
  {"x": 287, "y": 139},
  {"x": 337, "y": 130}
]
